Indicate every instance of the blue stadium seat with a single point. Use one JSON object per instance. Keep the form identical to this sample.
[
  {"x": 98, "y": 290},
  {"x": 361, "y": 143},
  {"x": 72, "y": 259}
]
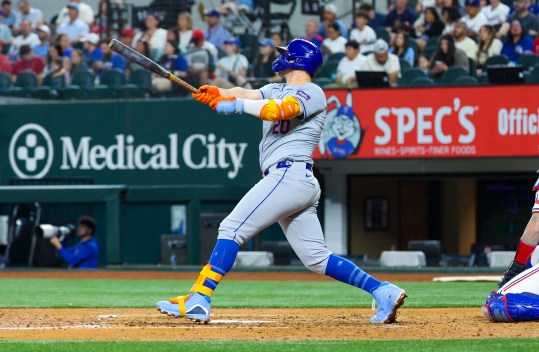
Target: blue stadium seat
[{"x": 452, "y": 74}]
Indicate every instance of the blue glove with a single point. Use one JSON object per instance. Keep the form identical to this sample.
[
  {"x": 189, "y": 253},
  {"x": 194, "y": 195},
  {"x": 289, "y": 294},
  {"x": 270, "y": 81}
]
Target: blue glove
[{"x": 230, "y": 107}]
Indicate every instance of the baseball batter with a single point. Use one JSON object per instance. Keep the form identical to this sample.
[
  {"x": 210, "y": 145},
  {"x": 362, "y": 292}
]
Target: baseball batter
[{"x": 293, "y": 118}]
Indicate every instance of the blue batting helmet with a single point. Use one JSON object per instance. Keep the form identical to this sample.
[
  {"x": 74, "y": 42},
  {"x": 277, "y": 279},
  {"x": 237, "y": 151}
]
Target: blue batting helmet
[{"x": 300, "y": 54}]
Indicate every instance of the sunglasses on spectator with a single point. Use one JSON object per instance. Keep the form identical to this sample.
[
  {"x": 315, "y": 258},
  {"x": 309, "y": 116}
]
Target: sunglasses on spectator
[{"x": 516, "y": 26}]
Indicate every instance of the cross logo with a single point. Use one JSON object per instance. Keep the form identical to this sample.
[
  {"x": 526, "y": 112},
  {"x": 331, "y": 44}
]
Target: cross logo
[{"x": 31, "y": 151}]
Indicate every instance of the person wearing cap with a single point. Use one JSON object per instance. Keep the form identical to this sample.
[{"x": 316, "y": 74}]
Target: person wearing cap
[
  {"x": 311, "y": 32},
  {"x": 86, "y": 13},
  {"x": 216, "y": 33},
  {"x": 28, "y": 62},
  {"x": 42, "y": 49},
  {"x": 155, "y": 36},
  {"x": 400, "y": 15},
  {"x": 73, "y": 26},
  {"x": 199, "y": 59},
  {"x": 8, "y": 16},
  {"x": 463, "y": 42},
  {"x": 496, "y": 13},
  {"x": 185, "y": 30},
  {"x": 530, "y": 23},
  {"x": 474, "y": 18},
  {"x": 27, "y": 12},
  {"x": 231, "y": 70},
  {"x": 330, "y": 16},
  {"x": 198, "y": 41},
  {"x": 92, "y": 51},
  {"x": 349, "y": 64},
  {"x": 382, "y": 61},
  {"x": 334, "y": 43},
  {"x": 262, "y": 66},
  {"x": 363, "y": 34},
  {"x": 5, "y": 32},
  {"x": 26, "y": 37},
  {"x": 126, "y": 36}
]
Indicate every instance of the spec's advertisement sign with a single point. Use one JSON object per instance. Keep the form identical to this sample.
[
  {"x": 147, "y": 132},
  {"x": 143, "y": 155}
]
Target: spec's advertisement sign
[{"x": 431, "y": 123}]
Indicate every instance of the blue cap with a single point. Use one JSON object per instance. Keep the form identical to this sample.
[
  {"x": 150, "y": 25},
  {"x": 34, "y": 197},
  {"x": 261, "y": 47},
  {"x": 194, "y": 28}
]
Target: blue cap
[
  {"x": 474, "y": 3},
  {"x": 154, "y": 14},
  {"x": 346, "y": 111},
  {"x": 267, "y": 42},
  {"x": 73, "y": 5},
  {"x": 234, "y": 41},
  {"x": 213, "y": 13}
]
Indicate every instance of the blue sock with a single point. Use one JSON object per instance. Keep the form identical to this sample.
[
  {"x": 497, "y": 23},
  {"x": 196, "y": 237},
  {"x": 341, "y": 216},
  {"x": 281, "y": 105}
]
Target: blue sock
[
  {"x": 221, "y": 260},
  {"x": 343, "y": 270}
]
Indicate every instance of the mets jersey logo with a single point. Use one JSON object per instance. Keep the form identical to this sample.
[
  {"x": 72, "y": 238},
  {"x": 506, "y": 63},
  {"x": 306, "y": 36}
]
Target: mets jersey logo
[{"x": 342, "y": 133}]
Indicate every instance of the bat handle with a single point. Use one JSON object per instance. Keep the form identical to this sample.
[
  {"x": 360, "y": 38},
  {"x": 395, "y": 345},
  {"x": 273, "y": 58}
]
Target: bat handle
[{"x": 182, "y": 83}]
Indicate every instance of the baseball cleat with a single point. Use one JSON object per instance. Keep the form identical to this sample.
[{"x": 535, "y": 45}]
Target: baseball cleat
[
  {"x": 194, "y": 307},
  {"x": 389, "y": 298}
]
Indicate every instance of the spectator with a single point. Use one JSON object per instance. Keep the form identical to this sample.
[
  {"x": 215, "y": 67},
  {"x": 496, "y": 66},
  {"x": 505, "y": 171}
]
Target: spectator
[
  {"x": 363, "y": 34},
  {"x": 91, "y": 50},
  {"x": 172, "y": 61},
  {"x": 110, "y": 60},
  {"x": 401, "y": 15},
  {"x": 376, "y": 19},
  {"x": 277, "y": 39},
  {"x": 330, "y": 17},
  {"x": 517, "y": 43},
  {"x": 349, "y": 64},
  {"x": 26, "y": 12},
  {"x": 455, "y": 4},
  {"x": 402, "y": 50},
  {"x": 311, "y": 32},
  {"x": 28, "y": 62},
  {"x": 535, "y": 48},
  {"x": 450, "y": 16},
  {"x": 432, "y": 26},
  {"x": 5, "y": 32},
  {"x": 58, "y": 70},
  {"x": 5, "y": 64},
  {"x": 172, "y": 34},
  {"x": 529, "y": 22},
  {"x": 83, "y": 255},
  {"x": 496, "y": 13},
  {"x": 474, "y": 18},
  {"x": 155, "y": 36},
  {"x": 42, "y": 49},
  {"x": 262, "y": 66},
  {"x": 73, "y": 26},
  {"x": 64, "y": 45},
  {"x": 86, "y": 13},
  {"x": 199, "y": 59},
  {"x": 77, "y": 62},
  {"x": 185, "y": 30},
  {"x": 489, "y": 45},
  {"x": 142, "y": 47},
  {"x": 215, "y": 33},
  {"x": 26, "y": 37},
  {"x": 335, "y": 42},
  {"x": 463, "y": 42},
  {"x": 126, "y": 36},
  {"x": 382, "y": 61},
  {"x": 447, "y": 56},
  {"x": 54, "y": 54},
  {"x": 100, "y": 23},
  {"x": 8, "y": 16},
  {"x": 232, "y": 69}
]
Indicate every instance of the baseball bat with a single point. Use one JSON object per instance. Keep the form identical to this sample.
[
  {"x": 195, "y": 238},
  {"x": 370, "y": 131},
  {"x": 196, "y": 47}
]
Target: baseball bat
[{"x": 148, "y": 64}]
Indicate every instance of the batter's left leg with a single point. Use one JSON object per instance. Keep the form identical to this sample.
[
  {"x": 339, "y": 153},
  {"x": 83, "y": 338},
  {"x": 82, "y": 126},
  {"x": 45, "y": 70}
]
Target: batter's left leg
[{"x": 305, "y": 235}]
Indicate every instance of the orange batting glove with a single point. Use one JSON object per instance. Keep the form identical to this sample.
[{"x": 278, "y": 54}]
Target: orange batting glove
[{"x": 206, "y": 94}]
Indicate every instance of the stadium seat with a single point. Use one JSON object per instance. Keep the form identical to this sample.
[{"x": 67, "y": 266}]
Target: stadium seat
[
  {"x": 142, "y": 79},
  {"x": 405, "y": 65},
  {"x": 113, "y": 79},
  {"x": 430, "y": 50},
  {"x": 533, "y": 75},
  {"x": 44, "y": 92},
  {"x": 17, "y": 92},
  {"x": 5, "y": 83},
  {"x": 473, "y": 67},
  {"x": 328, "y": 70},
  {"x": 73, "y": 92},
  {"x": 452, "y": 74},
  {"x": 100, "y": 91},
  {"x": 421, "y": 82},
  {"x": 335, "y": 57},
  {"x": 57, "y": 83},
  {"x": 497, "y": 60},
  {"x": 26, "y": 80},
  {"x": 528, "y": 61},
  {"x": 129, "y": 91},
  {"x": 483, "y": 78},
  {"x": 382, "y": 33},
  {"x": 433, "y": 41},
  {"x": 409, "y": 75},
  {"x": 465, "y": 81},
  {"x": 83, "y": 79},
  {"x": 323, "y": 81}
]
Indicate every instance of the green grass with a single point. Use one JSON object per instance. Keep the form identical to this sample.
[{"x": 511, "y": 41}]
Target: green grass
[
  {"x": 513, "y": 345},
  {"x": 58, "y": 293}
]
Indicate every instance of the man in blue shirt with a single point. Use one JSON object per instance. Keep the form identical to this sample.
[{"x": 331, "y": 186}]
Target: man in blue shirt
[
  {"x": 400, "y": 16},
  {"x": 110, "y": 60},
  {"x": 8, "y": 15},
  {"x": 216, "y": 33},
  {"x": 84, "y": 254}
]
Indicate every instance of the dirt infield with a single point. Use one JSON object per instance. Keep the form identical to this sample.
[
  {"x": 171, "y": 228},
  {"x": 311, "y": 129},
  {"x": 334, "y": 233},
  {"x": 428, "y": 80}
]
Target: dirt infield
[{"x": 251, "y": 324}]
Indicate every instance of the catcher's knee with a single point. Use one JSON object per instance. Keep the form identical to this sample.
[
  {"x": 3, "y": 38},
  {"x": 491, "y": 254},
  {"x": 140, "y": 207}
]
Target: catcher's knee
[{"x": 511, "y": 307}]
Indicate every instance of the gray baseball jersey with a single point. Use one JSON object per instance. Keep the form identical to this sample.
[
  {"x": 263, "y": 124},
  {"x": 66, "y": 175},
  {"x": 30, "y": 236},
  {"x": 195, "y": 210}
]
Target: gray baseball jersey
[{"x": 293, "y": 139}]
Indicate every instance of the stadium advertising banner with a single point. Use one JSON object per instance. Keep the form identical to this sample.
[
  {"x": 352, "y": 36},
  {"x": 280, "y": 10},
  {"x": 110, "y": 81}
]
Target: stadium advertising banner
[
  {"x": 463, "y": 122},
  {"x": 135, "y": 143}
]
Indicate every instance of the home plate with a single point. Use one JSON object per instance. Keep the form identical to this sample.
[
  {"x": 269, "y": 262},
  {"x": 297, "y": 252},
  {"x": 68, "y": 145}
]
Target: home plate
[{"x": 219, "y": 321}]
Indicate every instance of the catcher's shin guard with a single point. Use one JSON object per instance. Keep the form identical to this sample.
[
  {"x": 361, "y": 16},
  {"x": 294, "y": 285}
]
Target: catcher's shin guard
[{"x": 512, "y": 307}]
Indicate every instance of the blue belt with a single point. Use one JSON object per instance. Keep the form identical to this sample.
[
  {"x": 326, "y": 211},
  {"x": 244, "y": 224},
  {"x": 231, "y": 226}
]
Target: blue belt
[{"x": 286, "y": 164}]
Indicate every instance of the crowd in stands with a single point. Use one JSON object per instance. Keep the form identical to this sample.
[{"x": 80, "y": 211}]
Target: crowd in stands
[{"x": 433, "y": 36}]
